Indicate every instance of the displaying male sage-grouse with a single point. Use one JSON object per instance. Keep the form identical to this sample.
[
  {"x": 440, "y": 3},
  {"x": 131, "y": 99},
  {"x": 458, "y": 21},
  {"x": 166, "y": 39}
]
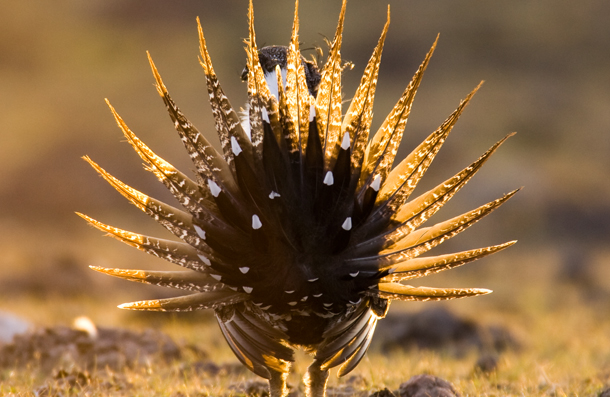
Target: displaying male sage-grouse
[{"x": 299, "y": 232}]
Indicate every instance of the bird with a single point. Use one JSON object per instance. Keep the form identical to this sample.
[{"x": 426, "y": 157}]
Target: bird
[{"x": 300, "y": 230}]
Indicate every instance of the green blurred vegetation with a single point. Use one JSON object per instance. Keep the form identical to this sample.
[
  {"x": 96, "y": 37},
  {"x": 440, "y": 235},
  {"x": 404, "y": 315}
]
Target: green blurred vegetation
[{"x": 547, "y": 70}]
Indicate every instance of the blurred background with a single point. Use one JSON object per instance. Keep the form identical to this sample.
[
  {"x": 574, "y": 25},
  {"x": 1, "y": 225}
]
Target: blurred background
[{"x": 546, "y": 66}]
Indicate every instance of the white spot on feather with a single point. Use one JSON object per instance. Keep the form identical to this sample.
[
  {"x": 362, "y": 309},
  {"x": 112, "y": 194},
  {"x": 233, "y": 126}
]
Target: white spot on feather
[
  {"x": 214, "y": 188},
  {"x": 256, "y": 222},
  {"x": 216, "y": 276},
  {"x": 329, "y": 179},
  {"x": 273, "y": 195},
  {"x": 292, "y": 303},
  {"x": 200, "y": 231},
  {"x": 205, "y": 260},
  {"x": 376, "y": 183},
  {"x": 244, "y": 269},
  {"x": 347, "y": 225},
  {"x": 355, "y": 274},
  {"x": 345, "y": 144},
  {"x": 312, "y": 113},
  {"x": 247, "y": 289},
  {"x": 317, "y": 295},
  {"x": 311, "y": 280},
  {"x": 235, "y": 148},
  {"x": 244, "y": 115}
]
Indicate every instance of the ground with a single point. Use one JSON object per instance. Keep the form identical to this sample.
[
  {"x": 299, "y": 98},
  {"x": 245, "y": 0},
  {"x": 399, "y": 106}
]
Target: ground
[{"x": 545, "y": 339}]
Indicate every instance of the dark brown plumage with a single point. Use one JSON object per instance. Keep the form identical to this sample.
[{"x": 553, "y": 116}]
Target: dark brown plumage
[{"x": 299, "y": 232}]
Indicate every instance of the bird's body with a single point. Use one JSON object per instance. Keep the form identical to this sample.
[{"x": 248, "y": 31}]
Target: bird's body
[{"x": 298, "y": 233}]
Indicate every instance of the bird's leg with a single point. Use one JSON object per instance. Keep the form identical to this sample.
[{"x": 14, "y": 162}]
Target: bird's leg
[
  {"x": 277, "y": 384},
  {"x": 315, "y": 381}
]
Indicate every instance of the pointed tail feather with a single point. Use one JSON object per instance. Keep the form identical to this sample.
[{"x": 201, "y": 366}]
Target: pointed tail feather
[
  {"x": 357, "y": 120},
  {"x": 402, "y": 292},
  {"x": 381, "y": 150},
  {"x": 421, "y": 267},
  {"x": 201, "y": 300},
  {"x": 417, "y": 211},
  {"x": 176, "y": 221},
  {"x": 259, "y": 96},
  {"x": 227, "y": 120},
  {"x": 176, "y": 252},
  {"x": 185, "y": 280},
  {"x": 209, "y": 163},
  {"x": 421, "y": 240},
  {"x": 197, "y": 201},
  {"x": 403, "y": 179},
  {"x": 298, "y": 98},
  {"x": 328, "y": 100},
  {"x": 414, "y": 213}
]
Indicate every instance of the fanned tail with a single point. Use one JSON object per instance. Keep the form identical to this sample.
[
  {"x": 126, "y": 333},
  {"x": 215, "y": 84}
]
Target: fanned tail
[{"x": 299, "y": 231}]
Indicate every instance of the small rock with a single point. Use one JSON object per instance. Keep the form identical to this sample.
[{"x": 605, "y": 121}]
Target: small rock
[
  {"x": 345, "y": 391},
  {"x": 197, "y": 351},
  {"x": 486, "y": 364},
  {"x": 354, "y": 386},
  {"x": 501, "y": 339},
  {"x": 383, "y": 393},
  {"x": 117, "y": 382},
  {"x": 73, "y": 378},
  {"x": 233, "y": 369},
  {"x": 11, "y": 325},
  {"x": 441, "y": 330},
  {"x": 64, "y": 347},
  {"x": 206, "y": 367},
  {"x": 357, "y": 381},
  {"x": 427, "y": 386},
  {"x": 250, "y": 388}
]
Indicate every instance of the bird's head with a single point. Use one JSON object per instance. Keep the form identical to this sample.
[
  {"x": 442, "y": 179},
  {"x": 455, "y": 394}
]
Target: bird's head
[{"x": 272, "y": 56}]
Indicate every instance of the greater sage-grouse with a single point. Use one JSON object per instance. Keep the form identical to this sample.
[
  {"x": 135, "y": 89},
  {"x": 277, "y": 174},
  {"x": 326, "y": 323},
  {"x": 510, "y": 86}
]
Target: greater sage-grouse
[{"x": 298, "y": 232}]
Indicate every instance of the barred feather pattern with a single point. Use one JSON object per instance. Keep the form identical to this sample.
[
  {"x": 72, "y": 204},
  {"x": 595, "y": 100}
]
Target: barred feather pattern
[{"x": 298, "y": 233}]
